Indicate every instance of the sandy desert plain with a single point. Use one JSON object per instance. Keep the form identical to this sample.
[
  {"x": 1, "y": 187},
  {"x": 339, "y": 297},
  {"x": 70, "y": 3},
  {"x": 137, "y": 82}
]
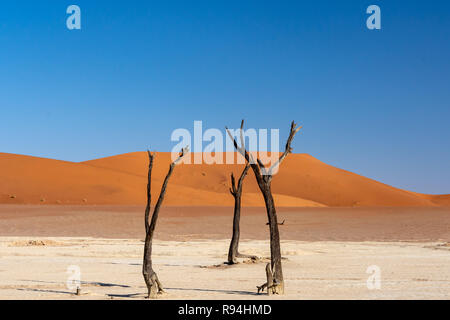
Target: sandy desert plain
[{"x": 338, "y": 226}]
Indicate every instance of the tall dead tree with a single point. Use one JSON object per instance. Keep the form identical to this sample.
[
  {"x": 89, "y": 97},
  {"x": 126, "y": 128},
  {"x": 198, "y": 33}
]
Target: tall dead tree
[
  {"x": 263, "y": 175},
  {"x": 236, "y": 192},
  {"x": 154, "y": 286}
]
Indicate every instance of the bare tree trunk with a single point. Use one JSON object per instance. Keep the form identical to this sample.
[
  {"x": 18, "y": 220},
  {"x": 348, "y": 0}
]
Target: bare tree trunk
[
  {"x": 275, "y": 248},
  {"x": 234, "y": 245},
  {"x": 154, "y": 286},
  {"x": 274, "y": 272}
]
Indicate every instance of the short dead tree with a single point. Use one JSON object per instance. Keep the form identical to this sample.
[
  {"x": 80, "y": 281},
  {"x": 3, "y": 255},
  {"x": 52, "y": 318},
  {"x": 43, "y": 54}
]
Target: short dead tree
[
  {"x": 263, "y": 175},
  {"x": 236, "y": 192},
  {"x": 154, "y": 286}
]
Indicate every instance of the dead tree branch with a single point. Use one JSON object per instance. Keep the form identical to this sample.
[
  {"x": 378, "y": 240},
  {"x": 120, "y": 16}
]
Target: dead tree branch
[{"x": 280, "y": 224}]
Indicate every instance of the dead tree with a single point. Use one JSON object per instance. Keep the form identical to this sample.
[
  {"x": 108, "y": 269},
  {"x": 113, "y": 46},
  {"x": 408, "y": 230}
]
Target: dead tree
[
  {"x": 263, "y": 175},
  {"x": 236, "y": 192},
  {"x": 154, "y": 286}
]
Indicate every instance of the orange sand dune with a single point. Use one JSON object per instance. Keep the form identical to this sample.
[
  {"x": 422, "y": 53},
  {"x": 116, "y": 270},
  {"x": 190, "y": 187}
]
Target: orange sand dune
[
  {"x": 303, "y": 181},
  {"x": 441, "y": 200}
]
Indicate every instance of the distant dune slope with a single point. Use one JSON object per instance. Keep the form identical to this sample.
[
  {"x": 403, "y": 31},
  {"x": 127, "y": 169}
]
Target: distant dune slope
[
  {"x": 440, "y": 200},
  {"x": 301, "y": 181}
]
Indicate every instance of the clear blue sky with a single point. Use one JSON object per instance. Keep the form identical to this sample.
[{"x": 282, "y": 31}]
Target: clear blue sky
[{"x": 373, "y": 102}]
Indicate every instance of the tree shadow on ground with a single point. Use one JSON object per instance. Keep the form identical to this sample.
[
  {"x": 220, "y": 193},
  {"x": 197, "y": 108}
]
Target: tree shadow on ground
[
  {"x": 250, "y": 293},
  {"x": 127, "y": 295},
  {"x": 46, "y": 291},
  {"x": 86, "y": 283},
  {"x": 143, "y": 295}
]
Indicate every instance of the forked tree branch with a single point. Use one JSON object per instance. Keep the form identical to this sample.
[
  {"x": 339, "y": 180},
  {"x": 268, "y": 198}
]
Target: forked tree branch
[
  {"x": 233, "y": 185},
  {"x": 183, "y": 152},
  {"x": 236, "y": 189},
  {"x": 248, "y": 157},
  {"x": 288, "y": 148},
  {"x": 241, "y": 178},
  {"x": 240, "y": 149},
  {"x": 256, "y": 166}
]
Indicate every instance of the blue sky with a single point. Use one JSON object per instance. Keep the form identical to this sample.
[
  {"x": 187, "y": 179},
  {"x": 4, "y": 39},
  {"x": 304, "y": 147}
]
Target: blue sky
[{"x": 373, "y": 102}]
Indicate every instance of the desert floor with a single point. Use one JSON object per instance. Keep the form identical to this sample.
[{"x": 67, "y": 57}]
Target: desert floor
[{"x": 327, "y": 252}]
